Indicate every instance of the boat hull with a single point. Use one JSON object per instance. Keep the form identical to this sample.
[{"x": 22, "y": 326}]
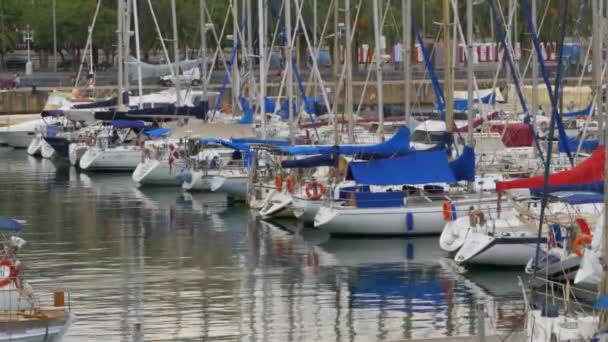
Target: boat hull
[
  {"x": 157, "y": 172},
  {"x": 76, "y": 151},
  {"x": 305, "y": 210},
  {"x": 199, "y": 181},
  {"x": 60, "y": 147},
  {"x": 20, "y": 139},
  {"x": 412, "y": 220},
  {"x": 35, "y": 146},
  {"x": 277, "y": 205},
  {"x": 121, "y": 158},
  {"x": 502, "y": 250},
  {"x": 233, "y": 186},
  {"x": 50, "y": 328}
]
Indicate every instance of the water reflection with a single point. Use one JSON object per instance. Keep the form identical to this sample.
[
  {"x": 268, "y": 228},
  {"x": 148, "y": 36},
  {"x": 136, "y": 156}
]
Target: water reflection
[{"x": 191, "y": 267}]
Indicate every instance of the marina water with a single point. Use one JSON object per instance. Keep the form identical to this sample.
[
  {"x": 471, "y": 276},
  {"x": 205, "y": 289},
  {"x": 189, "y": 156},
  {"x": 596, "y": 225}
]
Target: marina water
[{"x": 157, "y": 264}]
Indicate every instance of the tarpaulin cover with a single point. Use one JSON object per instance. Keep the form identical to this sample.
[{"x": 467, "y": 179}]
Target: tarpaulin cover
[
  {"x": 601, "y": 303},
  {"x": 464, "y": 166},
  {"x": 463, "y": 104},
  {"x": 98, "y": 104},
  {"x": 588, "y": 171},
  {"x": 52, "y": 130},
  {"x": 247, "y": 117},
  {"x": 578, "y": 197},
  {"x": 52, "y": 113},
  {"x": 128, "y": 124},
  {"x": 587, "y": 145},
  {"x": 159, "y": 132},
  {"x": 515, "y": 135},
  {"x": 584, "y": 112},
  {"x": 414, "y": 168},
  {"x": 199, "y": 111},
  {"x": 260, "y": 141},
  {"x": 397, "y": 144},
  {"x": 9, "y": 225},
  {"x": 314, "y": 161}
]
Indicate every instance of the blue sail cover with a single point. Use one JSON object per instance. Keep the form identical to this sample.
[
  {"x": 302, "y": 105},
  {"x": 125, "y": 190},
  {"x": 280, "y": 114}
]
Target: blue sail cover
[
  {"x": 583, "y": 112},
  {"x": 587, "y": 145},
  {"x": 597, "y": 187},
  {"x": 128, "y": 124},
  {"x": 258, "y": 141},
  {"x": 415, "y": 168},
  {"x": 52, "y": 113},
  {"x": 398, "y": 144},
  {"x": 578, "y": 197},
  {"x": 314, "y": 161},
  {"x": 9, "y": 225},
  {"x": 462, "y": 104},
  {"x": 464, "y": 166},
  {"x": 158, "y": 132},
  {"x": 247, "y": 118}
]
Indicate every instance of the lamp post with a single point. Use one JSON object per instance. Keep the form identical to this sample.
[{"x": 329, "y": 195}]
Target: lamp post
[{"x": 28, "y": 37}]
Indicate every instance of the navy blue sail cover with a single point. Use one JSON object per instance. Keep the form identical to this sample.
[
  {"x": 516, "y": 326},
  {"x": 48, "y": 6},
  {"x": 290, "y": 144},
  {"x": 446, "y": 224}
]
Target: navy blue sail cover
[{"x": 9, "y": 225}]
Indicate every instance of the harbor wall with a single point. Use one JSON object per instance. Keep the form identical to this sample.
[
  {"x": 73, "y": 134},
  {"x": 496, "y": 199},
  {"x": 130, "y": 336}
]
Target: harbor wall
[{"x": 28, "y": 100}]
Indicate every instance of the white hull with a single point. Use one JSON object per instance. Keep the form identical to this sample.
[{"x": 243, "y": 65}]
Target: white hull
[
  {"x": 423, "y": 220},
  {"x": 120, "y": 158},
  {"x": 305, "y": 210},
  {"x": 514, "y": 249},
  {"x": 277, "y": 205},
  {"x": 20, "y": 139},
  {"x": 47, "y": 151},
  {"x": 157, "y": 172},
  {"x": 37, "y": 332},
  {"x": 557, "y": 329},
  {"x": 200, "y": 181},
  {"x": 35, "y": 146},
  {"x": 77, "y": 150},
  {"x": 232, "y": 186}
]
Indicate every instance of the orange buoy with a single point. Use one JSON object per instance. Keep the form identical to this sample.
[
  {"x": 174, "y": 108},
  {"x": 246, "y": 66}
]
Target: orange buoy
[
  {"x": 314, "y": 190},
  {"x": 579, "y": 244},
  {"x": 291, "y": 184},
  {"x": 447, "y": 211},
  {"x": 278, "y": 183}
]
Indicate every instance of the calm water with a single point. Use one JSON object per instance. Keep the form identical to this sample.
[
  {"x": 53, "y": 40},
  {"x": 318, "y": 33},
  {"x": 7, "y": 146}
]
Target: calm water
[{"x": 192, "y": 268}]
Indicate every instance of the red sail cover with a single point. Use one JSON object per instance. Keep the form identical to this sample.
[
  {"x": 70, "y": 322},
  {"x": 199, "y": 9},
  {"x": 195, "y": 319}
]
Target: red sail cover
[
  {"x": 588, "y": 171},
  {"x": 515, "y": 134}
]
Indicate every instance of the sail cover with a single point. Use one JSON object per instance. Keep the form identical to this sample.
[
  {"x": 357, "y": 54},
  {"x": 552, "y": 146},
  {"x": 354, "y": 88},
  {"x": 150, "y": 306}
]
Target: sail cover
[
  {"x": 588, "y": 171},
  {"x": 414, "y": 168},
  {"x": 9, "y": 225},
  {"x": 398, "y": 144}
]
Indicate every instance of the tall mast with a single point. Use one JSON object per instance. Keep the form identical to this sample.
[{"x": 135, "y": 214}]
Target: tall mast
[
  {"x": 203, "y": 15},
  {"x": 235, "y": 66},
  {"x": 315, "y": 23},
  {"x": 348, "y": 59},
  {"x": 127, "y": 41},
  {"x": 378, "y": 59},
  {"x": 597, "y": 60},
  {"x": 406, "y": 14},
  {"x": 262, "y": 66},
  {"x": 470, "y": 72},
  {"x": 176, "y": 52},
  {"x": 289, "y": 69},
  {"x": 336, "y": 71},
  {"x": 534, "y": 70},
  {"x": 249, "y": 18},
  {"x": 137, "y": 53},
  {"x": 448, "y": 93},
  {"x": 120, "y": 17}
]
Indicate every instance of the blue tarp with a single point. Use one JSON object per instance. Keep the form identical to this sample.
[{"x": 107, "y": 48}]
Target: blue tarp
[
  {"x": 464, "y": 166},
  {"x": 601, "y": 303},
  {"x": 52, "y": 131},
  {"x": 314, "y": 161},
  {"x": 597, "y": 187},
  {"x": 247, "y": 118},
  {"x": 578, "y": 197},
  {"x": 52, "y": 113},
  {"x": 389, "y": 199},
  {"x": 9, "y": 225},
  {"x": 128, "y": 124},
  {"x": 587, "y": 145},
  {"x": 240, "y": 144},
  {"x": 585, "y": 111},
  {"x": 159, "y": 132},
  {"x": 415, "y": 168},
  {"x": 398, "y": 144},
  {"x": 260, "y": 141},
  {"x": 463, "y": 104}
]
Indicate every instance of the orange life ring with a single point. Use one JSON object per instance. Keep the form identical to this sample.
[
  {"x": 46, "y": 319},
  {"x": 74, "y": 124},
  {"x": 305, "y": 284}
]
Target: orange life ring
[
  {"x": 291, "y": 184},
  {"x": 278, "y": 183},
  {"x": 577, "y": 248},
  {"x": 318, "y": 187},
  {"x": 447, "y": 211},
  {"x": 12, "y": 275}
]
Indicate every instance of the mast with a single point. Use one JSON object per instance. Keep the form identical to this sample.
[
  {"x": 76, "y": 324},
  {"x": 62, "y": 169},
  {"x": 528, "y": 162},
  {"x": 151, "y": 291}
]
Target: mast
[
  {"x": 348, "y": 54},
  {"x": 289, "y": 69},
  {"x": 235, "y": 66},
  {"x": 406, "y": 14},
  {"x": 120, "y": 46},
  {"x": 470, "y": 72},
  {"x": 262, "y": 66},
  {"x": 449, "y": 93},
  {"x": 378, "y": 57},
  {"x": 249, "y": 19},
  {"x": 127, "y": 42},
  {"x": 176, "y": 53},
  {"x": 315, "y": 23},
  {"x": 597, "y": 60},
  {"x": 534, "y": 70},
  {"x": 203, "y": 15},
  {"x": 54, "y": 15},
  {"x": 137, "y": 53},
  {"x": 336, "y": 71}
]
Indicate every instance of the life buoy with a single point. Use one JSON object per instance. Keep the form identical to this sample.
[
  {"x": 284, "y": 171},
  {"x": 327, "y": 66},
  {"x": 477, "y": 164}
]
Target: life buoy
[
  {"x": 12, "y": 274},
  {"x": 314, "y": 190},
  {"x": 581, "y": 239},
  {"x": 447, "y": 211},
  {"x": 278, "y": 183},
  {"x": 291, "y": 184}
]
